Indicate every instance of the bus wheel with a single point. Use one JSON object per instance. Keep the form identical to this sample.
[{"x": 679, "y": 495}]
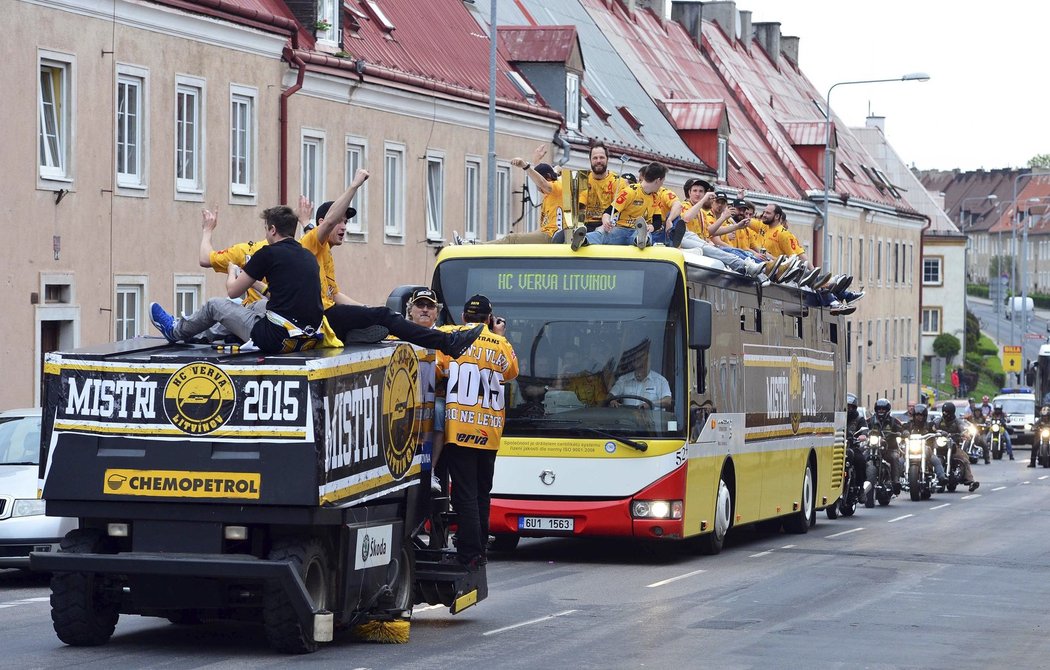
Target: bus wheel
[
  {"x": 712, "y": 542},
  {"x": 800, "y": 521},
  {"x": 84, "y": 610},
  {"x": 504, "y": 542},
  {"x": 280, "y": 620}
]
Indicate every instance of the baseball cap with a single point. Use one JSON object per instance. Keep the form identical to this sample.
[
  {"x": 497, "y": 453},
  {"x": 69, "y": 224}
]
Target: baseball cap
[
  {"x": 721, "y": 195},
  {"x": 546, "y": 171},
  {"x": 477, "y": 305},
  {"x": 423, "y": 293},
  {"x": 322, "y": 211},
  {"x": 696, "y": 181},
  {"x": 738, "y": 203}
]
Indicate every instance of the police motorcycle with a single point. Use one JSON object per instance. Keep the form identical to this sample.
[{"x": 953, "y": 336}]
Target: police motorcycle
[
  {"x": 854, "y": 487},
  {"x": 879, "y": 471},
  {"x": 996, "y": 437},
  {"x": 922, "y": 479}
]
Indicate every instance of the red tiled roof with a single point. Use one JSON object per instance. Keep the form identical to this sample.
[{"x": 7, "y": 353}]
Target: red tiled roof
[
  {"x": 1032, "y": 188},
  {"x": 805, "y": 133},
  {"x": 538, "y": 44},
  {"x": 696, "y": 114}
]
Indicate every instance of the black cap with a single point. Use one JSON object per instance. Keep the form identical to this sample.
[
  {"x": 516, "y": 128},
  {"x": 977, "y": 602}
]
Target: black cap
[
  {"x": 546, "y": 171},
  {"x": 721, "y": 195},
  {"x": 322, "y": 211},
  {"x": 696, "y": 181},
  {"x": 423, "y": 293},
  {"x": 738, "y": 203},
  {"x": 477, "y": 305}
]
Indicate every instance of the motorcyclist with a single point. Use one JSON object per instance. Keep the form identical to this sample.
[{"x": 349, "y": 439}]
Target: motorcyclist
[
  {"x": 999, "y": 415},
  {"x": 979, "y": 419},
  {"x": 854, "y": 423},
  {"x": 950, "y": 424},
  {"x": 1042, "y": 422},
  {"x": 986, "y": 407},
  {"x": 920, "y": 425},
  {"x": 881, "y": 422}
]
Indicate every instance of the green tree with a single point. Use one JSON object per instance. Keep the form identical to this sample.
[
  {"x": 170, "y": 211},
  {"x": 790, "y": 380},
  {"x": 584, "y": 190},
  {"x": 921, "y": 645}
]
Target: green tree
[
  {"x": 947, "y": 346},
  {"x": 973, "y": 331},
  {"x": 1039, "y": 161}
]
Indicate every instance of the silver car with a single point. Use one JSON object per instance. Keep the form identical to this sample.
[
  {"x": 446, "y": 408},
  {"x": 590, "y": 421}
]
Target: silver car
[{"x": 23, "y": 526}]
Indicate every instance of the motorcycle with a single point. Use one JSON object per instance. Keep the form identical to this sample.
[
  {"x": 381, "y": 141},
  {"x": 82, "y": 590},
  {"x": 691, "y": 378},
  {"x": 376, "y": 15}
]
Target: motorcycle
[
  {"x": 1043, "y": 455},
  {"x": 971, "y": 444},
  {"x": 879, "y": 473},
  {"x": 922, "y": 480},
  {"x": 952, "y": 467},
  {"x": 853, "y": 486},
  {"x": 996, "y": 430}
]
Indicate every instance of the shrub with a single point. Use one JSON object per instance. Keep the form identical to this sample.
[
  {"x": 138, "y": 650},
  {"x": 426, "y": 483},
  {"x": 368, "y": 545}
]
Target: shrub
[
  {"x": 947, "y": 346},
  {"x": 979, "y": 290}
]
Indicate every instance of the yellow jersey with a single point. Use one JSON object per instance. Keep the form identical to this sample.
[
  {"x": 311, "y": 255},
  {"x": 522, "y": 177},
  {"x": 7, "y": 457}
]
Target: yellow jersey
[
  {"x": 597, "y": 196},
  {"x": 738, "y": 239},
  {"x": 326, "y": 264},
  {"x": 632, "y": 202},
  {"x": 779, "y": 241},
  {"x": 239, "y": 254},
  {"x": 552, "y": 214}
]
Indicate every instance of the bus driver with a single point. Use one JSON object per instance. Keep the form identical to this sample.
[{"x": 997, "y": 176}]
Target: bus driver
[{"x": 641, "y": 383}]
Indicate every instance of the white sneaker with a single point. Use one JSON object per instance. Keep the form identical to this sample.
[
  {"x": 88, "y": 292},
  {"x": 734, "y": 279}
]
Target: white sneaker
[
  {"x": 435, "y": 484},
  {"x": 641, "y": 233}
]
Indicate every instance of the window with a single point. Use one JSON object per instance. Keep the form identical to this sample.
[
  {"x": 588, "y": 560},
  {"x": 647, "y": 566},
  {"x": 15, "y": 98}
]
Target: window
[
  {"x": 871, "y": 260},
  {"x": 849, "y": 256},
  {"x": 502, "y": 200},
  {"x": 871, "y": 342},
  {"x": 723, "y": 158},
  {"x": 878, "y": 263},
  {"x": 189, "y": 135},
  {"x": 127, "y": 309},
  {"x": 931, "y": 271},
  {"x": 878, "y": 331},
  {"x": 435, "y": 196},
  {"x": 896, "y": 262},
  {"x": 328, "y": 12},
  {"x": 55, "y": 115},
  {"x": 860, "y": 260},
  {"x": 242, "y": 140},
  {"x": 188, "y": 289},
  {"x": 355, "y": 160},
  {"x": 911, "y": 251},
  {"x": 312, "y": 165},
  {"x": 131, "y": 127},
  {"x": 394, "y": 195},
  {"x": 838, "y": 257},
  {"x": 471, "y": 198},
  {"x": 886, "y": 340},
  {"x": 931, "y": 320},
  {"x": 572, "y": 101},
  {"x": 849, "y": 343}
]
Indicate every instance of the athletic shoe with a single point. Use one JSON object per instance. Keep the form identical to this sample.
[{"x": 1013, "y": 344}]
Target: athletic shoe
[
  {"x": 579, "y": 237},
  {"x": 456, "y": 239},
  {"x": 163, "y": 321},
  {"x": 678, "y": 231},
  {"x": 459, "y": 341},
  {"x": 793, "y": 274},
  {"x": 774, "y": 265},
  {"x": 840, "y": 282},
  {"x": 822, "y": 281},
  {"x": 366, "y": 335},
  {"x": 845, "y": 283},
  {"x": 809, "y": 277},
  {"x": 754, "y": 269},
  {"x": 641, "y": 233},
  {"x": 974, "y": 486},
  {"x": 435, "y": 485}
]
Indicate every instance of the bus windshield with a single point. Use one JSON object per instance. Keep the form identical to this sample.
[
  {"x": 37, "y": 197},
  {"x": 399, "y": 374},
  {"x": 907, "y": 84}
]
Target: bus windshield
[{"x": 600, "y": 342}]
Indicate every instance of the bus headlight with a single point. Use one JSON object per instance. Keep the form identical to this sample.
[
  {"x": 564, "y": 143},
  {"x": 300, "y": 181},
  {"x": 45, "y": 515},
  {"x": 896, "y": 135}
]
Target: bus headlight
[{"x": 656, "y": 509}]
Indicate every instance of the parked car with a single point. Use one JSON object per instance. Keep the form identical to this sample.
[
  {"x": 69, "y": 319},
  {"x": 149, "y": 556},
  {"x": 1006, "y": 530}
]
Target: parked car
[{"x": 23, "y": 526}]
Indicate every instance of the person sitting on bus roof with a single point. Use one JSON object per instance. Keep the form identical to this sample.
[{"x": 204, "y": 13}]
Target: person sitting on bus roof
[
  {"x": 641, "y": 382},
  {"x": 631, "y": 219},
  {"x": 552, "y": 213}
]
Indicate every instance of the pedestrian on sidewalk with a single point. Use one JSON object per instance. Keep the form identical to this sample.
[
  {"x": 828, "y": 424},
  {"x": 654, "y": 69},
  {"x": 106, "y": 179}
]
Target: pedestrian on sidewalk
[{"x": 955, "y": 382}]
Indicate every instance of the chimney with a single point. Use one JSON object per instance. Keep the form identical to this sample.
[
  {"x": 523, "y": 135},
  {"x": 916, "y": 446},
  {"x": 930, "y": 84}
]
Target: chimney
[
  {"x": 789, "y": 47},
  {"x": 659, "y": 7},
  {"x": 876, "y": 122},
  {"x": 689, "y": 13},
  {"x": 746, "y": 32},
  {"x": 768, "y": 36},
  {"x": 722, "y": 13}
]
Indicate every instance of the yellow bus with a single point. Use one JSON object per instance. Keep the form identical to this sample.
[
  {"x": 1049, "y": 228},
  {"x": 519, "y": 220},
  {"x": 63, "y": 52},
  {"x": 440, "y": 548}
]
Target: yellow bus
[{"x": 661, "y": 396}]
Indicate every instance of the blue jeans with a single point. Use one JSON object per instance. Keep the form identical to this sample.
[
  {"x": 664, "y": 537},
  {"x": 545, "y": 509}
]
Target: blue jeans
[{"x": 618, "y": 235}]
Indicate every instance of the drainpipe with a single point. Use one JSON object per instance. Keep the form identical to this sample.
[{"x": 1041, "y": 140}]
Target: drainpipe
[
  {"x": 918, "y": 357},
  {"x": 566, "y": 148},
  {"x": 282, "y": 168}
]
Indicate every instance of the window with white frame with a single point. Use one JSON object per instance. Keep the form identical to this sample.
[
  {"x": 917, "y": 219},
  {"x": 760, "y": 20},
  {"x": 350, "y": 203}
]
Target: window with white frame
[
  {"x": 871, "y": 342},
  {"x": 502, "y": 200},
  {"x": 311, "y": 165},
  {"x": 723, "y": 158},
  {"x": 356, "y": 156},
  {"x": 931, "y": 271},
  {"x": 911, "y": 251},
  {"x": 394, "y": 190},
  {"x": 55, "y": 115},
  {"x": 189, "y": 134},
  {"x": 907, "y": 336},
  {"x": 886, "y": 339},
  {"x": 871, "y": 260},
  {"x": 878, "y": 263},
  {"x": 860, "y": 260},
  {"x": 572, "y": 101},
  {"x": 328, "y": 14},
  {"x": 131, "y": 126},
  {"x": 931, "y": 320},
  {"x": 242, "y": 140},
  {"x": 188, "y": 291},
  {"x": 471, "y": 198},
  {"x": 127, "y": 308},
  {"x": 435, "y": 187}
]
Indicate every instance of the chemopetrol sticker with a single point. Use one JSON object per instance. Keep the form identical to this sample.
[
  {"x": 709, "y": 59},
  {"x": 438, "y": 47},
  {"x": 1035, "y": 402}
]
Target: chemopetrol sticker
[{"x": 182, "y": 484}]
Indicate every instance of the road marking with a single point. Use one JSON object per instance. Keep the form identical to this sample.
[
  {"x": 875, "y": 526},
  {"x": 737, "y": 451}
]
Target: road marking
[
  {"x": 1025, "y": 483},
  {"x": 940, "y": 506},
  {"x": 528, "y": 623},
  {"x": 1043, "y": 477},
  {"x": 416, "y": 610},
  {"x": 789, "y": 546},
  {"x": 25, "y": 601},
  {"x": 673, "y": 579},
  {"x": 999, "y": 488},
  {"x": 761, "y": 553},
  {"x": 845, "y": 532},
  {"x": 900, "y": 518},
  {"x": 972, "y": 495}
]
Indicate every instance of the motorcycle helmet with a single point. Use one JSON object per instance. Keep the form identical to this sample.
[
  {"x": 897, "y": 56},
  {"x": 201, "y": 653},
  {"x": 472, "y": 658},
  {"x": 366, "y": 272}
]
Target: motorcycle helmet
[
  {"x": 997, "y": 408},
  {"x": 851, "y": 407},
  {"x": 948, "y": 411},
  {"x": 882, "y": 409},
  {"x": 919, "y": 414},
  {"x": 985, "y": 399}
]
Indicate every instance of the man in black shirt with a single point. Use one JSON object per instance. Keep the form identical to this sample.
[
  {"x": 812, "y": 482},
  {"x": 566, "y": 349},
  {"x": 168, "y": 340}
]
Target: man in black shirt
[{"x": 293, "y": 314}]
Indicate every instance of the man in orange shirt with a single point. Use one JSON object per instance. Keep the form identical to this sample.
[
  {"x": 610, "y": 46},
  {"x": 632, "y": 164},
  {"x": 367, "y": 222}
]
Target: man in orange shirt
[
  {"x": 634, "y": 211},
  {"x": 475, "y": 410},
  {"x": 596, "y": 194}
]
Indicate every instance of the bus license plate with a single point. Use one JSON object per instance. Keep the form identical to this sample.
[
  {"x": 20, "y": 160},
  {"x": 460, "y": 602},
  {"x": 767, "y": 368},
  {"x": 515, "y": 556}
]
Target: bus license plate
[{"x": 545, "y": 524}]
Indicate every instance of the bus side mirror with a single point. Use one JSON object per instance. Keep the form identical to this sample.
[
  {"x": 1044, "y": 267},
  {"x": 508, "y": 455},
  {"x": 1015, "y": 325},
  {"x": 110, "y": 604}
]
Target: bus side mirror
[{"x": 699, "y": 324}]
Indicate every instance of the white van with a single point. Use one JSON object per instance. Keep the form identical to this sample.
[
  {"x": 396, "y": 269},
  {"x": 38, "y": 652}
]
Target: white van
[{"x": 1017, "y": 305}]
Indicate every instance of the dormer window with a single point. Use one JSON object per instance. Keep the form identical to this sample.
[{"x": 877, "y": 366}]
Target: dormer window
[
  {"x": 327, "y": 27},
  {"x": 572, "y": 101}
]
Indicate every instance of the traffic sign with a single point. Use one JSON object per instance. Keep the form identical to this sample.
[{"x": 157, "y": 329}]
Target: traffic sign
[
  {"x": 1011, "y": 358},
  {"x": 1034, "y": 336}
]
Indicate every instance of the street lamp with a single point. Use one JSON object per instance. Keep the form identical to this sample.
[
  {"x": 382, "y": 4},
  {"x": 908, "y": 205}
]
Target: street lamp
[{"x": 829, "y": 166}]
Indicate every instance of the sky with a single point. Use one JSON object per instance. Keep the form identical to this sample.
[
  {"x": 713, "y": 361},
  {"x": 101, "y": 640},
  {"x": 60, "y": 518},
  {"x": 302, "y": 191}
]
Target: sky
[{"x": 987, "y": 103}]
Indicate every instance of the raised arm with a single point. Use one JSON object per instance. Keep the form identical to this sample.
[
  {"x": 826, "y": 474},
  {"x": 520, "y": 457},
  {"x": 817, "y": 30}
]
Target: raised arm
[
  {"x": 337, "y": 212},
  {"x": 209, "y": 220},
  {"x": 539, "y": 180}
]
